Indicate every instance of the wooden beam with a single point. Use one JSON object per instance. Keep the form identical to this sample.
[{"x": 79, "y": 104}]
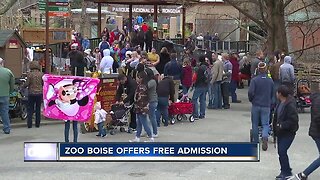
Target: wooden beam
[
  {"x": 130, "y": 18},
  {"x": 141, "y": 2},
  {"x": 183, "y": 24}
]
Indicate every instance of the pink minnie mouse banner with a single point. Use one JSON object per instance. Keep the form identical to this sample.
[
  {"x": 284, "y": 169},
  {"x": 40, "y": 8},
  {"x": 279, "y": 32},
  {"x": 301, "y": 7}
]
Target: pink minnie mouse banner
[{"x": 69, "y": 97}]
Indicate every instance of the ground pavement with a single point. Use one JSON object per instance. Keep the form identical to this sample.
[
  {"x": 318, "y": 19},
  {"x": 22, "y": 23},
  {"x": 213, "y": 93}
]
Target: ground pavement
[{"x": 219, "y": 126}]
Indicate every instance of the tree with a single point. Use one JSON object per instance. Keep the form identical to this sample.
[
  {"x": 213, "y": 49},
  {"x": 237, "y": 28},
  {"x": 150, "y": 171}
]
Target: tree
[{"x": 5, "y": 5}]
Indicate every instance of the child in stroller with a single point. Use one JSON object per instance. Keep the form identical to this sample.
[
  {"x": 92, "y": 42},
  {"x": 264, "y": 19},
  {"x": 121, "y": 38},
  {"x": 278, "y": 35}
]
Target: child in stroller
[
  {"x": 120, "y": 114},
  {"x": 303, "y": 94}
]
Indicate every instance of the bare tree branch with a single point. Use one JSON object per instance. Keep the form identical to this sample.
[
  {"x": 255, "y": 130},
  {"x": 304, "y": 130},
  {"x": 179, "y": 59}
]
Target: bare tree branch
[
  {"x": 256, "y": 20},
  {"x": 310, "y": 47},
  {"x": 262, "y": 14},
  {"x": 299, "y": 9},
  {"x": 287, "y": 3}
]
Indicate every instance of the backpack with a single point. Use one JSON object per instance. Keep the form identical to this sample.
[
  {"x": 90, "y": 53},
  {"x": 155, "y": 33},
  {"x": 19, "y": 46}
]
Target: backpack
[{"x": 104, "y": 45}]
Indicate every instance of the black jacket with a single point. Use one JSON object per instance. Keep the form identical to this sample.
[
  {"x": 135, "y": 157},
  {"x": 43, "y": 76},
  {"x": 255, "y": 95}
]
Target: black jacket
[
  {"x": 201, "y": 78},
  {"x": 165, "y": 88},
  {"x": 314, "y": 130},
  {"x": 128, "y": 88},
  {"x": 287, "y": 123},
  {"x": 164, "y": 59},
  {"x": 77, "y": 61}
]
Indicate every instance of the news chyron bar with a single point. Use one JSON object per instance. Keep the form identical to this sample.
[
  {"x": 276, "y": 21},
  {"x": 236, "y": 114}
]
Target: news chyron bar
[{"x": 138, "y": 152}]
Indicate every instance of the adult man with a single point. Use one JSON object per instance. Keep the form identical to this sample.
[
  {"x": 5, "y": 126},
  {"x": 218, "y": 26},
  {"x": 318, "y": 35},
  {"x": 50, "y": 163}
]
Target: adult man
[
  {"x": 174, "y": 69},
  {"x": 286, "y": 74},
  {"x": 124, "y": 51},
  {"x": 125, "y": 94},
  {"x": 7, "y": 86},
  {"x": 225, "y": 84},
  {"x": 261, "y": 96},
  {"x": 217, "y": 73},
  {"x": 77, "y": 61}
]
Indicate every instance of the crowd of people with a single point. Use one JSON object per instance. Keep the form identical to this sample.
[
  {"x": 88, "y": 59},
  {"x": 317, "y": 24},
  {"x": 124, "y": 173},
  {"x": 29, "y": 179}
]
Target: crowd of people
[{"x": 151, "y": 81}]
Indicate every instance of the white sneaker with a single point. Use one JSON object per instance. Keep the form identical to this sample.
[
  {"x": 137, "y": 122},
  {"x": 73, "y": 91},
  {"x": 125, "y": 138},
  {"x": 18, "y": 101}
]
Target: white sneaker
[
  {"x": 155, "y": 135},
  {"x": 150, "y": 140},
  {"x": 135, "y": 140}
]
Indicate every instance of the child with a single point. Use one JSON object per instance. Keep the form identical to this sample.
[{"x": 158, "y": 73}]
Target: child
[
  {"x": 100, "y": 118},
  {"x": 142, "y": 106},
  {"x": 186, "y": 76}
]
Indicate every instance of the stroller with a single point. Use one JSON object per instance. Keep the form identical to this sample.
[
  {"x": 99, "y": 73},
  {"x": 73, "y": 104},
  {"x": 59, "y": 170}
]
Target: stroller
[
  {"x": 18, "y": 100},
  {"x": 120, "y": 114},
  {"x": 180, "y": 109},
  {"x": 303, "y": 95}
]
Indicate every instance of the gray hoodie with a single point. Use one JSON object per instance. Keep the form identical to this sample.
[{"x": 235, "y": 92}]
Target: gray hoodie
[{"x": 286, "y": 72}]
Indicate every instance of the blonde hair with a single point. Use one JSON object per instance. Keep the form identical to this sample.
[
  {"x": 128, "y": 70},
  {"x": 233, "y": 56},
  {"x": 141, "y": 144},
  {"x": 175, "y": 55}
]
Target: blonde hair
[
  {"x": 186, "y": 62},
  {"x": 96, "y": 105}
]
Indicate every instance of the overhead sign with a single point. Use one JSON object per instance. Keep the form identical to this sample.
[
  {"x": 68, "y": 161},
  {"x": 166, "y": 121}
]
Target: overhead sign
[
  {"x": 146, "y": 10},
  {"x": 54, "y": 5},
  {"x": 59, "y": 14}
]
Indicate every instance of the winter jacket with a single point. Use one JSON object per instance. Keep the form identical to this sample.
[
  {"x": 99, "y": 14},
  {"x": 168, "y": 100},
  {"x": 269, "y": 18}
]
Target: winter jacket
[
  {"x": 314, "y": 130},
  {"x": 174, "y": 69},
  {"x": 201, "y": 78},
  {"x": 217, "y": 71},
  {"x": 164, "y": 59},
  {"x": 227, "y": 68},
  {"x": 141, "y": 99},
  {"x": 100, "y": 115},
  {"x": 106, "y": 62},
  {"x": 127, "y": 88},
  {"x": 261, "y": 91},
  {"x": 77, "y": 61},
  {"x": 186, "y": 79},
  {"x": 6, "y": 81},
  {"x": 235, "y": 69},
  {"x": 275, "y": 70},
  {"x": 286, "y": 72},
  {"x": 165, "y": 88},
  {"x": 286, "y": 121},
  {"x": 152, "y": 91},
  {"x": 254, "y": 66}
]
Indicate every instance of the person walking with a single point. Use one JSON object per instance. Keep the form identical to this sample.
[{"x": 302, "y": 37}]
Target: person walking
[
  {"x": 34, "y": 83},
  {"x": 314, "y": 132},
  {"x": 260, "y": 95},
  {"x": 174, "y": 69},
  {"x": 142, "y": 106},
  {"x": 285, "y": 125},
  {"x": 7, "y": 86}
]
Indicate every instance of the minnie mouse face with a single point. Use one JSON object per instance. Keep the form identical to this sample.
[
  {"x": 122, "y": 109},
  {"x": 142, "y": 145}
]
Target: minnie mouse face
[{"x": 67, "y": 93}]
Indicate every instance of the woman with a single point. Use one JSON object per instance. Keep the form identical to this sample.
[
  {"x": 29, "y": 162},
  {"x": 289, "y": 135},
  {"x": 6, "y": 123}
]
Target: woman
[
  {"x": 105, "y": 32},
  {"x": 34, "y": 84},
  {"x": 142, "y": 106},
  {"x": 164, "y": 59},
  {"x": 314, "y": 132},
  {"x": 153, "y": 100},
  {"x": 153, "y": 57},
  {"x": 285, "y": 126}
]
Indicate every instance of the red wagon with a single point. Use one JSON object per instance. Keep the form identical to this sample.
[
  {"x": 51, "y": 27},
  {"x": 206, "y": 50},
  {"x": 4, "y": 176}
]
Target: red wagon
[{"x": 180, "y": 109}]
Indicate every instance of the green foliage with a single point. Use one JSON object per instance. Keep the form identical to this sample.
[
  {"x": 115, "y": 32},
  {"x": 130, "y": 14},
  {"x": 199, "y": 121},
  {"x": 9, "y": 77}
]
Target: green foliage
[
  {"x": 188, "y": 31},
  {"x": 76, "y": 4},
  {"x": 32, "y": 24}
]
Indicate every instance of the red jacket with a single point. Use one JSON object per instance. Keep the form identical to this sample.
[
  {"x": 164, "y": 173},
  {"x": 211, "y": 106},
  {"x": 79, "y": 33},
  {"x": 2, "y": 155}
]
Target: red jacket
[
  {"x": 187, "y": 76},
  {"x": 235, "y": 69}
]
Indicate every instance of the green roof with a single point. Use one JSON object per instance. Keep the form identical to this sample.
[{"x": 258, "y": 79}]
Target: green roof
[{"x": 5, "y": 35}]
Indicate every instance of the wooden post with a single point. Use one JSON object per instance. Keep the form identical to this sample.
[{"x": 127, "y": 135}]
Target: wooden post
[
  {"x": 130, "y": 18},
  {"x": 183, "y": 25},
  {"x": 47, "y": 59},
  {"x": 156, "y": 18},
  {"x": 99, "y": 20}
]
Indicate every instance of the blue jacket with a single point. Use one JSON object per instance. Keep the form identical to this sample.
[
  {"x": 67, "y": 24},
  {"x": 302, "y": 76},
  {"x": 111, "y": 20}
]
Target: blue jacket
[
  {"x": 261, "y": 91},
  {"x": 174, "y": 69},
  {"x": 85, "y": 44}
]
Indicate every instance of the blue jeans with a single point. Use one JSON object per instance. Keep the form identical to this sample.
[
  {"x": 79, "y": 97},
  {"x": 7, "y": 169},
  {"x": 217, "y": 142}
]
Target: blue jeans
[
  {"x": 260, "y": 114},
  {"x": 217, "y": 101},
  {"x": 34, "y": 101},
  {"x": 233, "y": 88},
  {"x": 199, "y": 93},
  {"x": 152, "y": 116},
  {"x": 210, "y": 95},
  {"x": 185, "y": 89},
  {"x": 283, "y": 145},
  {"x": 162, "y": 109},
  {"x": 316, "y": 163},
  {"x": 102, "y": 129},
  {"x": 4, "y": 113},
  {"x": 142, "y": 121},
  {"x": 75, "y": 131}
]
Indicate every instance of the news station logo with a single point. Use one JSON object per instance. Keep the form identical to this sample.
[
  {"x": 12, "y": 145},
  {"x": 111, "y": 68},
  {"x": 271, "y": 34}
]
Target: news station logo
[{"x": 40, "y": 151}]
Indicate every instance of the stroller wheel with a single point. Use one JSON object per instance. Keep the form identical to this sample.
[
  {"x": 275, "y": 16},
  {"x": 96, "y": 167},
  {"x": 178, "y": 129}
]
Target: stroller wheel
[
  {"x": 122, "y": 129},
  {"x": 24, "y": 113},
  {"x": 191, "y": 118},
  {"x": 112, "y": 132},
  {"x": 163, "y": 121},
  {"x": 181, "y": 117},
  {"x": 172, "y": 120}
]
